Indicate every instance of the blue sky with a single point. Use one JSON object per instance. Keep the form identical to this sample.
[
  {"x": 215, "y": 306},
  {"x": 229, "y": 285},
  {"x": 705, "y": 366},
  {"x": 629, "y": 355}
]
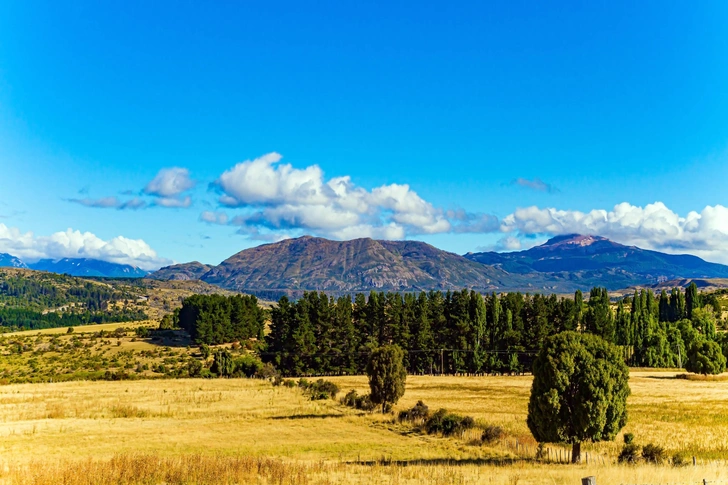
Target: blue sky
[{"x": 507, "y": 121}]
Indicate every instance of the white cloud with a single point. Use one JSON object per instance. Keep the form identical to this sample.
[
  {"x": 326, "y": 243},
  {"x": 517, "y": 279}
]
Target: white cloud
[
  {"x": 279, "y": 197},
  {"x": 166, "y": 189},
  {"x": 174, "y": 201},
  {"x": 214, "y": 217},
  {"x": 170, "y": 182},
  {"x": 111, "y": 203},
  {"x": 654, "y": 226},
  {"x": 75, "y": 244}
]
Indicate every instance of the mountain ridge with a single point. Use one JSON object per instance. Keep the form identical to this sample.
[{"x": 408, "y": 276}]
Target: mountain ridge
[
  {"x": 561, "y": 265},
  {"x": 76, "y": 267}
]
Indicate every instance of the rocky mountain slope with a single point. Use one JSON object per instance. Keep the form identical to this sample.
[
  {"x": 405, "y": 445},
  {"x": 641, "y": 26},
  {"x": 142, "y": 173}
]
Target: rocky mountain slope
[
  {"x": 309, "y": 263},
  {"x": 576, "y": 254},
  {"x": 562, "y": 265}
]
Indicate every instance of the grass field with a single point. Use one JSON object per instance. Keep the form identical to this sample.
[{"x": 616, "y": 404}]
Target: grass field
[{"x": 247, "y": 431}]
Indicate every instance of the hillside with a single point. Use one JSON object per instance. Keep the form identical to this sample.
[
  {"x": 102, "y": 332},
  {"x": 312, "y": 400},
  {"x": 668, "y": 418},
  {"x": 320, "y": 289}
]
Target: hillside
[
  {"x": 359, "y": 265},
  {"x": 38, "y": 299},
  {"x": 562, "y": 265},
  {"x": 181, "y": 272}
]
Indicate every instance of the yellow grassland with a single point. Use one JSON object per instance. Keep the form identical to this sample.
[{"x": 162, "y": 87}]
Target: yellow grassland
[{"x": 247, "y": 431}]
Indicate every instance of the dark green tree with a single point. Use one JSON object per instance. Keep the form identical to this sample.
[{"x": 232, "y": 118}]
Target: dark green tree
[
  {"x": 692, "y": 299},
  {"x": 579, "y": 391},
  {"x": 598, "y": 319},
  {"x": 705, "y": 357},
  {"x": 387, "y": 375}
]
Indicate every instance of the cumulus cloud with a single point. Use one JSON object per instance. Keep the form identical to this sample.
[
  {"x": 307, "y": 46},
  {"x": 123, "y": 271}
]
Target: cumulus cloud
[
  {"x": 535, "y": 184},
  {"x": 76, "y": 244},
  {"x": 111, "y": 203},
  {"x": 654, "y": 226},
  {"x": 277, "y": 197}
]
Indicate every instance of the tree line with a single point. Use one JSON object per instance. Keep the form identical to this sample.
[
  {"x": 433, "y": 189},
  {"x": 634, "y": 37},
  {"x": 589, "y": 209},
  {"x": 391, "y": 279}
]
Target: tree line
[
  {"x": 14, "y": 319},
  {"x": 454, "y": 332},
  {"x": 217, "y": 319}
]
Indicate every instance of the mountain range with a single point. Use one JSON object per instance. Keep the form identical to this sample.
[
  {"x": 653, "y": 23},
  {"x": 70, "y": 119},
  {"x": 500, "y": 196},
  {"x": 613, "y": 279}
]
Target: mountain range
[
  {"x": 76, "y": 267},
  {"x": 561, "y": 265}
]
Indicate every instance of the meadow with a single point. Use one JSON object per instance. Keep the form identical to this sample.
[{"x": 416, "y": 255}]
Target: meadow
[{"x": 248, "y": 431}]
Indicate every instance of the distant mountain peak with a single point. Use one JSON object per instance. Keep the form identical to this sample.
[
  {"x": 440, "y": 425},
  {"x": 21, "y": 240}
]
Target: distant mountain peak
[
  {"x": 574, "y": 240},
  {"x": 8, "y": 260}
]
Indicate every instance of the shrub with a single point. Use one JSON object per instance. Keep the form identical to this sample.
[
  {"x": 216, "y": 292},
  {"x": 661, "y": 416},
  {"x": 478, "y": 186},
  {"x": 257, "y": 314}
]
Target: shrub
[
  {"x": 705, "y": 357},
  {"x": 350, "y": 399},
  {"x": 354, "y": 400},
  {"x": 319, "y": 390},
  {"x": 678, "y": 459},
  {"x": 419, "y": 413},
  {"x": 492, "y": 433},
  {"x": 653, "y": 454},
  {"x": 628, "y": 438},
  {"x": 268, "y": 371},
  {"x": 248, "y": 365},
  {"x": 630, "y": 453},
  {"x": 194, "y": 368},
  {"x": 289, "y": 383},
  {"x": 448, "y": 424}
]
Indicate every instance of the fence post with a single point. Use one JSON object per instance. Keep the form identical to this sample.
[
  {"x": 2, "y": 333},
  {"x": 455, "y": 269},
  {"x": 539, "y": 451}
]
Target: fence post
[
  {"x": 694, "y": 461},
  {"x": 589, "y": 481}
]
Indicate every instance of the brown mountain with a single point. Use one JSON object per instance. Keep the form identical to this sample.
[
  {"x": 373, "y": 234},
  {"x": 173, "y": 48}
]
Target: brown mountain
[
  {"x": 360, "y": 265},
  {"x": 181, "y": 272},
  {"x": 562, "y": 265}
]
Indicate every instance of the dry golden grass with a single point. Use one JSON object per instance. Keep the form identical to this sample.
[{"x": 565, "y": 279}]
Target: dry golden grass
[
  {"x": 246, "y": 431},
  {"x": 106, "y": 327}
]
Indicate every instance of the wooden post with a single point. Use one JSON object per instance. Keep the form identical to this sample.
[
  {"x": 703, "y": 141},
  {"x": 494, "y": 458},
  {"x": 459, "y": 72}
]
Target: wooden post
[
  {"x": 694, "y": 461},
  {"x": 587, "y": 458},
  {"x": 589, "y": 481}
]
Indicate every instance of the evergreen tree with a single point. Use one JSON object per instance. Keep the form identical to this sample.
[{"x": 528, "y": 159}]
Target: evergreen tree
[
  {"x": 387, "y": 375},
  {"x": 423, "y": 342},
  {"x": 579, "y": 391},
  {"x": 598, "y": 319},
  {"x": 692, "y": 300}
]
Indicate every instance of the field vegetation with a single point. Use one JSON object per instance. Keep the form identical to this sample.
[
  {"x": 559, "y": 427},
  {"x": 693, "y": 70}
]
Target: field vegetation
[{"x": 249, "y": 431}]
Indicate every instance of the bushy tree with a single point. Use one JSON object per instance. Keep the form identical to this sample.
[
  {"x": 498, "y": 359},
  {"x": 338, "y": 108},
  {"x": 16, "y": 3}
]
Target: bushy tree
[
  {"x": 579, "y": 391},
  {"x": 705, "y": 357},
  {"x": 387, "y": 375}
]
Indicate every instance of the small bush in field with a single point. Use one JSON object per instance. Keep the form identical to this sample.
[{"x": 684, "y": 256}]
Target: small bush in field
[
  {"x": 363, "y": 403},
  {"x": 630, "y": 453},
  {"x": 448, "y": 424},
  {"x": 678, "y": 459},
  {"x": 319, "y": 390},
  {"x": 653, "y": 454},
  {"x": 492, "y": 433},
  {"x": 419, "y": 413}
]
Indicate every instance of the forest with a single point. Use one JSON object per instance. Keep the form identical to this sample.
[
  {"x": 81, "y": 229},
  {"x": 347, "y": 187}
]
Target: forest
[
  {"x": 466, "y": 332},
  {"x": 217, "y": 319},
  {"x": 48, "y": 301}
]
